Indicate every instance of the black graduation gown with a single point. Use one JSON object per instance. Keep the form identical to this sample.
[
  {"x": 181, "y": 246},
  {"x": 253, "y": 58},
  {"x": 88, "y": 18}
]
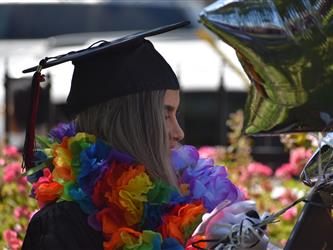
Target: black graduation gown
[{"x": 61, "y": 226}]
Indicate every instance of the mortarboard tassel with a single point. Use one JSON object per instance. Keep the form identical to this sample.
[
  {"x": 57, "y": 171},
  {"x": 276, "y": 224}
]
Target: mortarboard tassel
[{"x": 29, "y": 144}]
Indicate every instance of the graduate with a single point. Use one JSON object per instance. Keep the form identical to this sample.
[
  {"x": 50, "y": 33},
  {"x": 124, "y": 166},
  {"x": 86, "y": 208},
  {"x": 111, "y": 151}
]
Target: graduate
[{"x": 116, "y": 177}]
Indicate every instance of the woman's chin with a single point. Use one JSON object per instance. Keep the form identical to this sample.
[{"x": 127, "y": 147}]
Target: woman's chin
[{"x": 174, "y": 146}]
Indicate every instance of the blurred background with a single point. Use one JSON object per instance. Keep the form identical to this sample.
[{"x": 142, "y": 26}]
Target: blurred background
[{"x": 212, "y": 80}]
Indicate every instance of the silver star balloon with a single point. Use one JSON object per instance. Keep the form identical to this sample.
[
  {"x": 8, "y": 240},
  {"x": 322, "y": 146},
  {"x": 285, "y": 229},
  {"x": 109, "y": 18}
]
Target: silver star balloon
[{"x": 286, "y": 49}]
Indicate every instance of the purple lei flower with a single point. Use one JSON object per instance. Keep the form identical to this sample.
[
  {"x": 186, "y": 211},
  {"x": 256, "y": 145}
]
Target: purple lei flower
[
  {"x": 211, "y": 184},
  {"x": 62, "y": 130},
  {"x": 184, "y": 157},
  {"x": 206, "y": 181}
]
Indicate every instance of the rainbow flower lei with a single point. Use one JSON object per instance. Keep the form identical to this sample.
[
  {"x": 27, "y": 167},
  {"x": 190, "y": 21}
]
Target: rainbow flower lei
[{"x": 131, "y": 210}]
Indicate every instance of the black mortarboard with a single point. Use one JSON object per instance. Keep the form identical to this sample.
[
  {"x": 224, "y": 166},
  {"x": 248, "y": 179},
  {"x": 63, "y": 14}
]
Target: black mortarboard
[{"x": 104, "y": 71}]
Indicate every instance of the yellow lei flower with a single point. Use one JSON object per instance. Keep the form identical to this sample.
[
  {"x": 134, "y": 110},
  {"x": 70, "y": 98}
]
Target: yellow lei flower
[{"x": 133, "y": 195}]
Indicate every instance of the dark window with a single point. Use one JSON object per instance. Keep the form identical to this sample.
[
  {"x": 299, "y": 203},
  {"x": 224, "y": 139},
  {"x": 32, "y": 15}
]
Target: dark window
[
  {"x": 19, "y": 21},
  {"x": 200, "y": 118}
]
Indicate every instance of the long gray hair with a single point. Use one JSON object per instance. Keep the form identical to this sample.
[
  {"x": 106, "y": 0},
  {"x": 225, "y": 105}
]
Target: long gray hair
[{"x": 134, "y": 124}]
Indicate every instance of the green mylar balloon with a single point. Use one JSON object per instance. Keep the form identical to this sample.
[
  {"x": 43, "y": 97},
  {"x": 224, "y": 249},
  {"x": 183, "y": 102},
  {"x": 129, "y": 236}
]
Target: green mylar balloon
[{"x": 286, "y": 49}]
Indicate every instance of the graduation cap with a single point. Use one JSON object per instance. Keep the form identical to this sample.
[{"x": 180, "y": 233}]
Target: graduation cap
[{"x": 104, "y": 71}]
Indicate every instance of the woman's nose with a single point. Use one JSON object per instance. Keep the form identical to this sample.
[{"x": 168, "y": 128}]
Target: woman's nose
[{"x": 177, "y": 132}]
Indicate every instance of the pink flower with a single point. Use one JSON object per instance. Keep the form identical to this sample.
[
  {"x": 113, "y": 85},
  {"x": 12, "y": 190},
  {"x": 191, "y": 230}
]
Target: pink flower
[
  {"x": 22, "y": 184},
  {"x": 11, "y": 172},
  {"x": 287, "y": 197},
  {"x": 21, "y": 212},
  {"x": 23, "y": 180},
  {"x": 290, "y": 214},
  {"x": 207, "y": 152},
  {"x": 22, "y": 188},
  {"x": 259, "y": 169},
  {"x": 244, "y": 176},
  {"x": 8, "y": 235},
  {"x": 2, "y": 161},
  {"x": 11, "y": 239},
  {"x": 298, "y": 158},
  {"x": 10, "y": 151},
  {"x": 286, "y": 171},
  {"x": 18, "y": 228}
]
